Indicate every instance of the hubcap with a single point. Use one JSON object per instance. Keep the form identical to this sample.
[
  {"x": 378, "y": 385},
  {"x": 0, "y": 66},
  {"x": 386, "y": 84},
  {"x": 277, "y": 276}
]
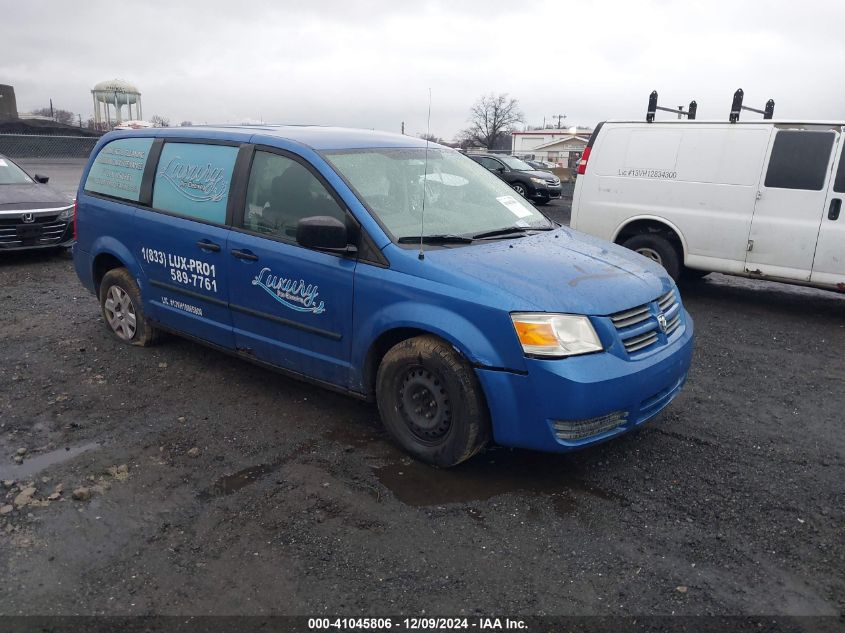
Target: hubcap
[
  {"x": 120, "y": 313},
  {"x": 651, "y": 254},
  {"x": 424, "y": 405},
  {"x": 519, "y": 189}
]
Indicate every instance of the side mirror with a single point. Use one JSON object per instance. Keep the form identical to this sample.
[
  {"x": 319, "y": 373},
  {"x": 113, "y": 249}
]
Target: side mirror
[
  {"x": 41, "y": 180},
  {"x": 500, "y": 170},
  {"x": 322, "y": 232}
]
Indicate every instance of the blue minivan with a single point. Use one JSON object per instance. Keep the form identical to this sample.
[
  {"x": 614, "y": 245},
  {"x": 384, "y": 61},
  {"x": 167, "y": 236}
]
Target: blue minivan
[{"x": 385, "y": 268}]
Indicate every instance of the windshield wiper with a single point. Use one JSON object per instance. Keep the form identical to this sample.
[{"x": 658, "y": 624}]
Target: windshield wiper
[
  {"x": 435, "y": 239},
  {"x": 516, "y": 231}
]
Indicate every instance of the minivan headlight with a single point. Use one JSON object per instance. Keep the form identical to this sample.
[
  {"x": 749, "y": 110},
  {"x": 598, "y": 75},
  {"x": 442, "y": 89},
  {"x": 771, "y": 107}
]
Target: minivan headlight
[
  {"x": 543, "y": 334},
  {"x": 66, "y": 214}
]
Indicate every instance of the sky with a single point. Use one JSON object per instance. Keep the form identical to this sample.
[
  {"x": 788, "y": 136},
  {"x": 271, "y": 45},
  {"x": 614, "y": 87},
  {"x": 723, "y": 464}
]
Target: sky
[{"x": 371, "y": 63}]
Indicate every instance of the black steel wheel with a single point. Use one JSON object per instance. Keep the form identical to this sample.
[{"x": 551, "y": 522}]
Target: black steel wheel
[{"x": 431, "y": 402}]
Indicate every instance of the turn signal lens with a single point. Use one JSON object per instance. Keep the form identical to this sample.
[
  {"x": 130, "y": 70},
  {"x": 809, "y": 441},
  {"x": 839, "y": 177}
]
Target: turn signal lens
[
  {"x": 535, "y": 333},
  {"x": 555, "y": 335}
]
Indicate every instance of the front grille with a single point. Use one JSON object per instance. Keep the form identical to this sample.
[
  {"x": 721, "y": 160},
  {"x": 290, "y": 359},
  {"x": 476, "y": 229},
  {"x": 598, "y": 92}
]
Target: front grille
[
  {"x": 579, "y": 429},
  {"x": 639, "y": 328},
  {"x": 15, "y": 218},
  {"x": 50, "y": 233}
]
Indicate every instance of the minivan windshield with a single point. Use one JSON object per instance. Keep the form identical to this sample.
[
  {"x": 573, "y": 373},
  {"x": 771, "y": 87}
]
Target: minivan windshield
[
  {"x": 462, "y": 199},
  {"x": 11, "y": 174}
]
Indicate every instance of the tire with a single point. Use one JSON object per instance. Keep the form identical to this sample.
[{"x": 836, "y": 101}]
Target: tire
[
  {"x": 123, "y": 312},
  {"x": 452, "y": 422},
  {"x": 521, "y": 189},
  {"x": 657, "y": 248}
]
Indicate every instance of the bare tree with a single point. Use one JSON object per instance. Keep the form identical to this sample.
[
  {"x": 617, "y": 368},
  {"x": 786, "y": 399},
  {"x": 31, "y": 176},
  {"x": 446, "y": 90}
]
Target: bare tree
[
  {"x": 65, "y": 117},
  {"x": 186, "y": 124},
  {"x": 159, "y": 121},
  {"x": 433, "y": 138},
  {"x": 492, "y": 118}
]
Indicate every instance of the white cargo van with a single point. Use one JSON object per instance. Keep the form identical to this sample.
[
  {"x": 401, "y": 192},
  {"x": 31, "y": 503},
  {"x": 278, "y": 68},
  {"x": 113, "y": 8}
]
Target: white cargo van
[{"x": 760, "y": 199}]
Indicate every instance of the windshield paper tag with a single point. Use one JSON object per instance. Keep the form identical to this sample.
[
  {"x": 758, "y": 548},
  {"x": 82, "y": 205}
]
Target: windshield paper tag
[
  {"x": 3, "y": 163},
  {"x": 514, "y": 207}
]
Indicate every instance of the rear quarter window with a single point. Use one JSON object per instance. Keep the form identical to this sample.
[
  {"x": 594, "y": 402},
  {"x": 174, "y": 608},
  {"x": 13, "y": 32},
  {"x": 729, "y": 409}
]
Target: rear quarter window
[
  {"x": 799, "y": 160},
  {"x": 193, "y": 180},
  {"x": 118, "y": 168}
]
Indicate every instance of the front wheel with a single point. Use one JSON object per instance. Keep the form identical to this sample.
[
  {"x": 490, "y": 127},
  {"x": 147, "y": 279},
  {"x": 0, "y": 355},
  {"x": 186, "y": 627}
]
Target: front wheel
[
  {"x": 521, "y": 189},
  {"x": 120, "y": 301},
  {"x": 431, "y": 402},
  {"x": 658, "y": 249}
]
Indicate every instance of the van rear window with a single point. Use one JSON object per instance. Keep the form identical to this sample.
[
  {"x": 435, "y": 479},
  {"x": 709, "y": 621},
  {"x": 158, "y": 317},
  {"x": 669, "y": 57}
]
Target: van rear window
[
  {"x": 799, "y": 160},
  {"x": 192, "y": 179},
  {"x": 119, "y": 167}
]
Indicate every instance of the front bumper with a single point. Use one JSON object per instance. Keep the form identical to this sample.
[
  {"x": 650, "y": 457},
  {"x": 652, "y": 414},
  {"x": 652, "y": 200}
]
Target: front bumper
[
  {"x": 583, "y": 392},
  {"x": 549, "y": 192}
]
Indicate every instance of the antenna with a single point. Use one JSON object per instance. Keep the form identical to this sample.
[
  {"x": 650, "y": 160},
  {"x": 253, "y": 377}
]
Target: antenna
[{"x": 425, "y": 176}]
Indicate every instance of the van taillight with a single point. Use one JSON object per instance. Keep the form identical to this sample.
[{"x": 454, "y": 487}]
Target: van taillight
[
  {"x": 582, "y": 164},
  {"x": 75, "y": 212}
]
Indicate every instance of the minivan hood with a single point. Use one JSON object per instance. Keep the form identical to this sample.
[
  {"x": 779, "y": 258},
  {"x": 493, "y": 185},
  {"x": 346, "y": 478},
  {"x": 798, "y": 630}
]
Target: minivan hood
[
  {"x": 31, "y": 196},
  {"x": 560, "y": 271}
]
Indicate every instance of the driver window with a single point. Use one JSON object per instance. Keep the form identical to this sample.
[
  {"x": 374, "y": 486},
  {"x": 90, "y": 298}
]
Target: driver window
[{"x": 281, "y": 192}]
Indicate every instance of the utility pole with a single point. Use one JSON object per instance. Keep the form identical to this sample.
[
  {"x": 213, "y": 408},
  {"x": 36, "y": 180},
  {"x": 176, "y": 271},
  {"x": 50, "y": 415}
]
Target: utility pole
[
  {"x": 51, "y": 110},
  {"x": 559, "y": 117},
  {"x": 80, "y": 121},
  {"x": 403, "y": 127}
]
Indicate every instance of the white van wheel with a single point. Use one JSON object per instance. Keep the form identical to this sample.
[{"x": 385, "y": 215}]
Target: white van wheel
[{"x": 658, "y": 249}]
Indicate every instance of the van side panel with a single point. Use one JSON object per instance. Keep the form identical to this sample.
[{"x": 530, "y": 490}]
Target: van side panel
[{"x": 701, "y": 180}]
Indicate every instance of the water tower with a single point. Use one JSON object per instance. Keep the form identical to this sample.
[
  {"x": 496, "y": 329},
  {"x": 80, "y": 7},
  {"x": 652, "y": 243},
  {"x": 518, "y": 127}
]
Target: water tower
[{"x": 109, "y": 99}]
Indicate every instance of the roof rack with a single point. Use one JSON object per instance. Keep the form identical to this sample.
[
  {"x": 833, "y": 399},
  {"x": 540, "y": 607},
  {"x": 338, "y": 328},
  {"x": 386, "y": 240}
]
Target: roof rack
[
  {"x": 653, "y": 107},
  {"x": 737, "y": 107}
]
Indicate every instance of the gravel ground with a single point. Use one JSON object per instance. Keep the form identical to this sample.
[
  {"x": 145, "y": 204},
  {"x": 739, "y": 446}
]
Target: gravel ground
[{"x": 217, "y": 487}]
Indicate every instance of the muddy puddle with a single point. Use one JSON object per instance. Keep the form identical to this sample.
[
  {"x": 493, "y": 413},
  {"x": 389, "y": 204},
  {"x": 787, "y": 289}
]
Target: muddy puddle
[
  {"x": 494, "y": 473},
  {"x": 34, "y": 464},
  {"x": 228, "y": 484}
]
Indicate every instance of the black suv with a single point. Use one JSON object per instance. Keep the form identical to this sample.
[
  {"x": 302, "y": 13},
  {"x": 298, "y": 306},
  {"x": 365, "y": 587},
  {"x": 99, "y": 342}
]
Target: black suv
[{"x": 533, "y": 184}]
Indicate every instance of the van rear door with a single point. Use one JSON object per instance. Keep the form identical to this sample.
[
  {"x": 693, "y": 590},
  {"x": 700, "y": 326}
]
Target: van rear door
[
  {"x": 829, "y": 263},
  {"x": 790, "y": 204},
  {"x": 181, "y": 241}
]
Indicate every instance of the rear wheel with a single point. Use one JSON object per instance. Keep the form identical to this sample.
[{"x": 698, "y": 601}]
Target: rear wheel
[
  {"x": 658, "y": 249},
  {"x": 120, "y": 301},
  {"x": 431, "y": 402}
]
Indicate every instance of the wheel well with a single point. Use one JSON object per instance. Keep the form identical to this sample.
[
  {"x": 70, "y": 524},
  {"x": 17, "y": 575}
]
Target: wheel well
[
  {"x": 377, "y": 351},
  {"x": 103, "y": 264},
  {"x": 639, "y": 227}
]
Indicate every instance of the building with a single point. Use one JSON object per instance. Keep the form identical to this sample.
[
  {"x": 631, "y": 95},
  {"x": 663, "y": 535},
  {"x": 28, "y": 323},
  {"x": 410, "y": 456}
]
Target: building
[
  {"x": 561, "y": 146},
  {"x": 8, "y": 105}
]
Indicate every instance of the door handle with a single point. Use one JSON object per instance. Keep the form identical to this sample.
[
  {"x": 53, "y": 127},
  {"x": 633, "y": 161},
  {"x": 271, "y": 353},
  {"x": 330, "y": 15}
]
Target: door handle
[
  {"x": 247, "y": 255},
  {"x": 835, "y": 207},
  {"x": 206, "y": 245}
]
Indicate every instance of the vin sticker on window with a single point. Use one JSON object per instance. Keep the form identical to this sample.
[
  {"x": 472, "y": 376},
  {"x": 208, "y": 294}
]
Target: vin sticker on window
[{"x": 513, "y": 206}]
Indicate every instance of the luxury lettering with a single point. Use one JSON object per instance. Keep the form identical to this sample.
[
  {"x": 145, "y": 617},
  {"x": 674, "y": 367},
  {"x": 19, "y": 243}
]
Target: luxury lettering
[
  {"x": 201, "y": 183},
  {"x": 292, "y": 293}
]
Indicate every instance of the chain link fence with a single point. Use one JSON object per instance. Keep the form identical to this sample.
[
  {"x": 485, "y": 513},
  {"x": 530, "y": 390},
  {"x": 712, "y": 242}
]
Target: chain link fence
[{"x": 36, "y": 146}]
